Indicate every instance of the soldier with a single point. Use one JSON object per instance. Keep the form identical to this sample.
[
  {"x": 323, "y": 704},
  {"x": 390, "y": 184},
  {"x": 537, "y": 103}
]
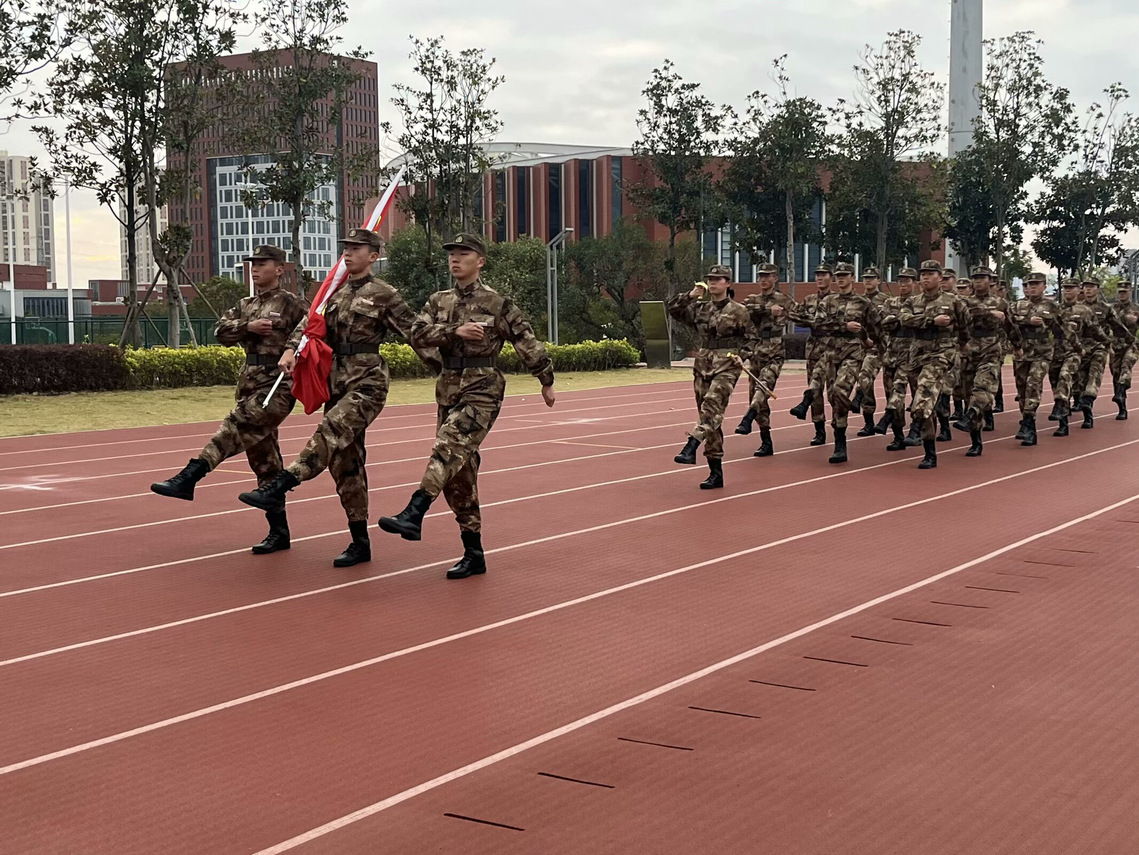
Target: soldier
[
  {"x": 726, "y": 332},
  {"x": 949, "y": 280},
  {"x": 849, "y": 320},
  {"x": 864, "y": 399},
  {"x": 982, "y": 364},
  {"x": 358, "y": 317},
  {"x": 999, "y": 403},
  {"x": 1075, "y": 318},
  {"x": 1033, "y": 322},
  {"x": 769, "y": 309},
  {"x": 961, "y": 393},
  {"x": 259, "y": 324},
  {"x": 469, "y": 324},
  {"x": 1125, "y": 349},
  {"x": 897, "y": 364},
  {"x": 817, "y": 345},
  {"x": 953, "y": 375},
  {"x": 941, "y": 329},
  {"x": 1097, "y": 343}
]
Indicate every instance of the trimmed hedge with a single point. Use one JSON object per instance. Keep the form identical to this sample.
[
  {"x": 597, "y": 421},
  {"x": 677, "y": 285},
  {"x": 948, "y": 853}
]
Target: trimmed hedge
[{"x": 52, "y": 369}]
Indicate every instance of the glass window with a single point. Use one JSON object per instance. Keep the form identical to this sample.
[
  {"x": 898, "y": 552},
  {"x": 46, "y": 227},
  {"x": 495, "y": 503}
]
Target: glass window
[
  {"x": 500, "y": 206},
  {"x": 521, "y": 211},
  {"x": 554, "y": 208},
  {"x": 585, "y": 198},
  {"x": 615, "y": 172}
]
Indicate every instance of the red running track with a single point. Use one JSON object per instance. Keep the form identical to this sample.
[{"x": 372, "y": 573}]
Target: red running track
[{"x": 864, "y": 658}]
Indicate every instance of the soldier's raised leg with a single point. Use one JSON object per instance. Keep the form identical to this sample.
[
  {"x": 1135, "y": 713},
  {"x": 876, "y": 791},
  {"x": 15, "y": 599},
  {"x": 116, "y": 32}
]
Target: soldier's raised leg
[{"x": 761, "y": 404}]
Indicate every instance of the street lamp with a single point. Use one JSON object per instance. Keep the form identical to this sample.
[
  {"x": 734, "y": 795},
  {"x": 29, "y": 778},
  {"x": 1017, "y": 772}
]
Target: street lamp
[{"x": 552, "y": 284}]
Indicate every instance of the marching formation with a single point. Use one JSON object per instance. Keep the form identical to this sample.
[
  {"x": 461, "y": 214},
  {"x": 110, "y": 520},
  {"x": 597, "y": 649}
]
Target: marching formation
[{"x": 941, "y": 339}]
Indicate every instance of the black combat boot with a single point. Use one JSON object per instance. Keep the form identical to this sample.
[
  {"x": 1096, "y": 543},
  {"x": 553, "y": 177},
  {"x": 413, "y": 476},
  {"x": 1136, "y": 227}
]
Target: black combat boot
[
  {"x": 967, "y": 419},
  {"x": 1086, "y": 404},
  {"x": 945, "y": 434},
  {"x": 884, "y": 423},
  {"x": 869, "y": 429},
  {"x": 765, "y": 448},
  {"x": 942, "y": 408},
  {"x": 930, "y": 459},
  {"x": 1029, "y": 431},
  {"x": 1059, "y": 408},
  {"x": 800, "y": 410},
  {"x": 715, "y": 479},
  {"x": 359, "y": 550},
  {"x": 999, "y": 401},
  {"x": 958, "y": 410},
  {"x": 839, "y": 455},
  {"x": 820, "y": 434},
  {"x": 408, "y": 523},
  {"x": 990, "y": 422},
  {"x": 899, "y": 443},
  {"x": 270, "y": 496},
  {"x": 975, "y": 448},
  {"x": 181, "y": 486},
  {"x": 473, "y": 562},
  {"x": 278, "y": 537},
  {"x": 744, "y": 427},
  {"x": 687, "y": 454},
  {"x": 1023, "y": 432},
  {"x": 856, "y": 402},
  {"x": 913, "y": 438},
  {"x": 1062, "y": 430},
  {"x": 1122, "y": 402}
]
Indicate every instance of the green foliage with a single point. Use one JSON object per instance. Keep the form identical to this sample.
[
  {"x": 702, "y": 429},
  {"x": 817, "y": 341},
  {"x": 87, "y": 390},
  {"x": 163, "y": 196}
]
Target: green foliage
[
  {"x": 55, "y": 368},
  {"x": 216, "y": 296},
  {"x": 30, "y": 38},
  {"x": 412, "y": 269},
  {"x": 164, "y": 368},
  {"x": 517, "y": 269}
]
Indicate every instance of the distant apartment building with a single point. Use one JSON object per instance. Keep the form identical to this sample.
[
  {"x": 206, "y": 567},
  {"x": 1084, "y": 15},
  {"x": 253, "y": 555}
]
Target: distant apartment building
[
  {"x": 26, "y": 217},
  {"x": 144, "y": 249}
]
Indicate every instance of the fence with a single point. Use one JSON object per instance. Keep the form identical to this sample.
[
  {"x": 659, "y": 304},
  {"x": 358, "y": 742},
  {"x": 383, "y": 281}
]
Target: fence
[{"x": 100, "y": 330}]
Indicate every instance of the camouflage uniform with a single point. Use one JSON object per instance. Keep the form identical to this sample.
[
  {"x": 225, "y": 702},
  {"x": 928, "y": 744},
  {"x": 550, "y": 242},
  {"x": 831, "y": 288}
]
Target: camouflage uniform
[
  {"x": 898, "y": 367},
  {"x": 1097, "y": 341},
  {"x": 1036, "y": 345},
  {"x": 935, "y": 349},
  {"x": 981, "y": 367},
  {"x": 817, "y": 344},
  {"x": 873, "y": 360},
  {"x": 1068, "y": 352},
  {"x": 839, "y": 366},
  {"x": 723, "y": 327},
  {"x": 767, "y": 351},
  {"x": 1125, "y": 349},
  {"x": 470, "y": 390},
  {"x": 250, "y": 427},
  {"x": 358, "y": 316}
]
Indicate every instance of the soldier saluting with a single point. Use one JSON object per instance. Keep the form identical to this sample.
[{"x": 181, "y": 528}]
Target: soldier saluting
[
  {"x": 260, "y": 324},
  {"x": 357, "y": 318},
  {"x": 469, "y": 324}
]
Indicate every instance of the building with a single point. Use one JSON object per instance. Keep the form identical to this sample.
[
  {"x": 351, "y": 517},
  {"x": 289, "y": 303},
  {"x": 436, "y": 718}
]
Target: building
[
  {"x": 226, "y": 228},
  {"x": 29, "y": 213},
  {"x": 144, "y": 250}
]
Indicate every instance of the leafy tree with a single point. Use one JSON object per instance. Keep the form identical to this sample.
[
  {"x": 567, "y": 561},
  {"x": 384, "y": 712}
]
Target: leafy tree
[
  {"x": 971, "y": 216},
  {"x": 216, "y": 295},
  {"x": 413, "y": 268},
  {"x": 31, "y": 36},
  {"x": 518, "y": 270},
  {"x": 678, "y": 131}
]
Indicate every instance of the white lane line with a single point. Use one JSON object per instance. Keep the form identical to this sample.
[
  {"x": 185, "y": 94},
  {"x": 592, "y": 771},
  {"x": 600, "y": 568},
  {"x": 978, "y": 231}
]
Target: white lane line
[
  {"x": 680, "y": 682},
  {"x": 557, "y": 607}
]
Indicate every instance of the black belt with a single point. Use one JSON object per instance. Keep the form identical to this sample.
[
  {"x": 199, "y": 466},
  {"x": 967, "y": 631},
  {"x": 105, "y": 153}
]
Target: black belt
[
  {"x": 904, "y": 332},
  {"x": 771, "y": 333},
  {"x": 458, "y": 363},
  {"x": 262, "y": 358},
  {"x": 979, "y": 332},
  {"x": 1033, "y": 332},
  {"x": 932, "y": 335},
  {"x": 349, "y": 348},
  {"x": 846, "y": 334},
  {"x": 722, "y": 343}
]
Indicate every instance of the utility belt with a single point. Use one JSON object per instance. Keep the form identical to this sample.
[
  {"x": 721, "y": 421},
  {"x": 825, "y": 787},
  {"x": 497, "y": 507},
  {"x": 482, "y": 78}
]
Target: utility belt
[
  {"x": 933, "y": 335},
  {"x": 904, "y": 332},
  {"x": 769, "y": 334},
  {"x": 846, "y": 334},
  {"x": 984, "y": 332},
  {"x": 1034, "y": 332},
  {"x": 351, "y": 348},
  {"x": 458, "y": 363},
  {"x": 262, "y": 359},
  {"x": 722, "y": 343}
]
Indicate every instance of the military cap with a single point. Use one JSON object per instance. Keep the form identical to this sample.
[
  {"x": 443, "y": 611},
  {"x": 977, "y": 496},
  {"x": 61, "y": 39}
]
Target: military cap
[
  {"x": 1002, "y": 283},
  {"x": 945, "y": 271},
  {"x": 1091, "y": 281},
  {"x": 364, "y": 237},
  {"x": 843, "y": 269},
  {"x": 467, "y": 240},
  {"x": 767, "y": 269},
  {"x": 982, "y": 271},
  {"x": 824, "y": 268},
  {"x": 1036, "y": 276},
  {"x": 931, "y": 265},
  {"x": 907, "y": 273},
  {"x": 720, "y": 270},
  {"x": 267, "y": 252},
  {"x": 1071, "y": 282},
  {"x": 964, "y": 283},
  {"x": 870, "y": 273},
  {"x": 1123, "y": 286}
]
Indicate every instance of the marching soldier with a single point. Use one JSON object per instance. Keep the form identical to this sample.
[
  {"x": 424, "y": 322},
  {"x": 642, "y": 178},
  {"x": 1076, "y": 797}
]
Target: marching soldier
[
  {"x": 941, "y": 328},
  {"x": 1125, "y": 349},
  {"x": 897, "y": 364},
  {"x": 726, "y": 333},
  {"x": 817, "y": 346},
  {"x": 260, "y": 324},
  {"x": 864, "y": 399},
  {"x": 982, "y": 364},
  {"x": 1097, "y": 342},
  {"x": 770, "y": 310},
  {"x": 1034, "y": 321},
  {"x": 1076, "y": 319},
  {"x": 999, "y": 403},
  {"x": 469, "y": 324},
  {"x": 358, "y": 317},
  {"x": 961, "y": 392}
]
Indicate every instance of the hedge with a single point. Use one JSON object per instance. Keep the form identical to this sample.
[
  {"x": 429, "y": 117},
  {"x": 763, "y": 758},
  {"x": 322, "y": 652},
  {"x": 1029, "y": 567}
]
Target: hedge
[{"x": 52, "y": 369}]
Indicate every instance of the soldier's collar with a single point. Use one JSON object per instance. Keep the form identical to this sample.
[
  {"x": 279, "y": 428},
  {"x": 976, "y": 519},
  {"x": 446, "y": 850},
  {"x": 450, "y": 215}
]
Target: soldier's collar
[
  {"x": 264, "y": 292},
  {"x": 360, "y": 280},
  {"x": 719, "y": 304},
  {"x": 468, "y": 288}
]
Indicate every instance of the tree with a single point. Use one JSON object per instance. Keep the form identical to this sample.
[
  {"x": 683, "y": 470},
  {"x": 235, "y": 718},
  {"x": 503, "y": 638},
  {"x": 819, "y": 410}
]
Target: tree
[
  {"x": 293, "y": 110},
  {"x": 772, "y": 180},
  {"x": 446, "y": 123},
  {"x": 971, "y": 217},
  {"x": 518, "y": 270},
  {"x": 216, "y": 296},
  {"x": 895, "y": 117},
  {"x": 413, "y": 268},
  {"x": 677, "y": 141},
  {"x": 1023, "y": 130},
  {"x": 30, "y": 38}
]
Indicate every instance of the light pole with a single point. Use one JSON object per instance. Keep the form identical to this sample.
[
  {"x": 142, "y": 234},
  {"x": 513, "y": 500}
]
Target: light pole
[
  {"x": 10, "y": 195},
  {"x": 248, "y": 265},
  {"x": 552, "y": 284}
]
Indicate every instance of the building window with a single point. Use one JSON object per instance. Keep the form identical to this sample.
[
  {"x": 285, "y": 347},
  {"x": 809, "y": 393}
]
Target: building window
[
  {"x": 615, "y": 172},
  {"x": 584, "y": 198},
  {"x": 554, "y": 209},
  {"x": 521, "y": 209},
  {"x": 500, "y": 205}
]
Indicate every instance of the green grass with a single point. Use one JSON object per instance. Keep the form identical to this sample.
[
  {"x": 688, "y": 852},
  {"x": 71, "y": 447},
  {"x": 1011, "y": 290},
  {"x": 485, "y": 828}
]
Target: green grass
[{"x": 23, "y": 415}]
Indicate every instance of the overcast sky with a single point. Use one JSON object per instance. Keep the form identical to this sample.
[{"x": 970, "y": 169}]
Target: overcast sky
[{"x": 574, "y": 71}]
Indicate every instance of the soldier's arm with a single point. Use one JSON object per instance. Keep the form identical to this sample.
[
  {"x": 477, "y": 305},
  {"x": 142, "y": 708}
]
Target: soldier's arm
[
  {"x": 400, "y": 319},
  {"x": 427, "y": 331},
  {"x": 531, "y": 351},
  {"x": 295, "y": 338},
  {"x": 682, "y": 308},
  {"x": 231, "y": 327},
  {"x": 908, "y": 316}
]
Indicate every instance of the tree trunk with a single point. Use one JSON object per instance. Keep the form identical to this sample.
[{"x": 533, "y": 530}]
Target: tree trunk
[
  {"x": 673, "y": 276},
  {"x": 173, "y": 316},
  {"x": 880, "y": 243},
  {"x": 998, "y": 260},
  {"x": 790, "y": 213},
  {"x": 131, "y": 335},
  {"x": 296, "y": 249}
]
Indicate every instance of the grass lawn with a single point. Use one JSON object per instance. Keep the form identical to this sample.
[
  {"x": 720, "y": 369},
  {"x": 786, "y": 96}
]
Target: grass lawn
[{"x": 21, "y": 415}]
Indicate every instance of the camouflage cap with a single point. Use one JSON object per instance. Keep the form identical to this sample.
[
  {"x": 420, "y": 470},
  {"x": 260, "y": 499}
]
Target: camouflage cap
[
  {"x": 824, "y": 268},
  {"x": 870, "y": 273},
  {"x": 721, "y": 271},
  {"x": 1125, "y": 285},
  {"x": 467, "y": 240},
  {"x": 364, "y": 237},
  {"x": 1002, "y": 283},
  {"x": 1071, "y": 282},
  {"x": 843, "y": 269},
  {"x": 930, "y": 266},
  {"x": 267, "y": 252},
  {"x": 767, "y": 269},
  {"x": 1091, "y": 282},
  {"x": 982, "y": 271},
  {"x": 907, "y": 273},
  {"x": 1035, "y": 276},
  {"x": 964, "y": 283},
  {"x": 948, "y": 271}
]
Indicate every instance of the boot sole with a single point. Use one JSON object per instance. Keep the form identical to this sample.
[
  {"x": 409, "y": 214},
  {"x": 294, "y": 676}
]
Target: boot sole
[
  {"x": 392, "y": 527},
  {"x": 262, "y": 506},
  {"x": 257, "y": 550},
  {"x": 451, "y": 575},
  {"x": 171, "y": 494},
  {"x": 763, "y": 454},
  {"x": 711, "y": 486},
  {"x": 338, "y": 563},
  {"x": 742, "y": 432}
]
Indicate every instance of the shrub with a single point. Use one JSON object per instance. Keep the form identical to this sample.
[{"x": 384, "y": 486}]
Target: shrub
[
  {"x": 165, "y": 368},
  {"x": 56, "y": 368}
]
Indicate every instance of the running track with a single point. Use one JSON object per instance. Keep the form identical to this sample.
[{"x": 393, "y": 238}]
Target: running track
[{"x": 817, "y": 659}]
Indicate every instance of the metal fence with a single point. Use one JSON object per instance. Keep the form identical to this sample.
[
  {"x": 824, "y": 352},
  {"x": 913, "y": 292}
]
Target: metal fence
[{"x": 100, "y": 330}]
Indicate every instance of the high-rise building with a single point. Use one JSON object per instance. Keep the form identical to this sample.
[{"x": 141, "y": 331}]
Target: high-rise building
[
  {"x": 28, "y": 212},
  {"x": 144, "y": 249},
  {"x": 225, "y": 229}
]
